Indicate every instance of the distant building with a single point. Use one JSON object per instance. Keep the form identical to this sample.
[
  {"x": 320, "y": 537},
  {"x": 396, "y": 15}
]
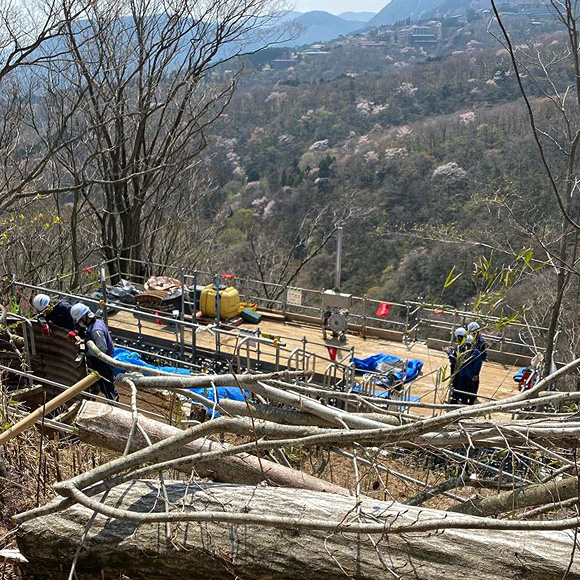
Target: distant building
[
  {"x": 314, "y": 52},
  {"x": 420, "y": 34},
  {"x": 459, "y": 19},
  {"x": 371, "y": 44}
]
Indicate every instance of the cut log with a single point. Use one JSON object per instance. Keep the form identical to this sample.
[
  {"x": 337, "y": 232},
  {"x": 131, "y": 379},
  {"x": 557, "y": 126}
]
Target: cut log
[
  {"x": 108, "y": 427},
  {"x": 218, "y": 551},
  {"x": 507, "y": 501}
]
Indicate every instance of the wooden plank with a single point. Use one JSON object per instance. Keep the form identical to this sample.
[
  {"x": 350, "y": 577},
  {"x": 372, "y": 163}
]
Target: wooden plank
[{"x": 50, "y": 406}]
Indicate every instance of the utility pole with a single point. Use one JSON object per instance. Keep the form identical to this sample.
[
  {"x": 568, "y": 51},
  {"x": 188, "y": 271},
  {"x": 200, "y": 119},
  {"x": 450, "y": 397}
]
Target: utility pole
[{"x": 338, "y": 270}]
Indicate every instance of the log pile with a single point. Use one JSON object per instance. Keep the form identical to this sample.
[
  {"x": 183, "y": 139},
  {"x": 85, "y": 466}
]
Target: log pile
[
  {"x": 125, "y": 518},
  {"x": 108, "y": 427}
]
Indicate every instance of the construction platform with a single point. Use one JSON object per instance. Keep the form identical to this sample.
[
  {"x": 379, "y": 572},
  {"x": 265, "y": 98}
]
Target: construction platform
[
  {"x": 300, "y": 345},
  {"x": 290, "y": 334}
]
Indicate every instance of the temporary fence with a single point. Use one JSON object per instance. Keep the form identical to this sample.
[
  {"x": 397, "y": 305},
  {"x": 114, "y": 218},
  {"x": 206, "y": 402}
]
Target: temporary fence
[{"x": 245, "y": 350}]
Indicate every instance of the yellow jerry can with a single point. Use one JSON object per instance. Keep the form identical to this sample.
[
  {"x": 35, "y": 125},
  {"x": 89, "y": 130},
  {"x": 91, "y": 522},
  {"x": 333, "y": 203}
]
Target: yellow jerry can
[{"x": 229, "y": 302}]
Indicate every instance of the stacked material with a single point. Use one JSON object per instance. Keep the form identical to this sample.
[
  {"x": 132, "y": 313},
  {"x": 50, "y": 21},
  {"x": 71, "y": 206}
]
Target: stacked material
[{"x": 161, "y": 293}]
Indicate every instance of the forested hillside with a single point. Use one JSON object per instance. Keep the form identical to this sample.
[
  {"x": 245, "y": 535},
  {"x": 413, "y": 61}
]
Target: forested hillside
[{"x": 439, "y": 148}]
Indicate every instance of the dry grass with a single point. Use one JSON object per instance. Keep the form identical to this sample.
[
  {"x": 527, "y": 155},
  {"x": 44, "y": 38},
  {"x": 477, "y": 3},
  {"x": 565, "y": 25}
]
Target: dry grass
[{"x": 29, "y": 465}]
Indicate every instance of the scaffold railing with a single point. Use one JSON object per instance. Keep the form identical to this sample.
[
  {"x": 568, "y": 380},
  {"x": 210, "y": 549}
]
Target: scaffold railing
[{"x": 413, "y": 320}]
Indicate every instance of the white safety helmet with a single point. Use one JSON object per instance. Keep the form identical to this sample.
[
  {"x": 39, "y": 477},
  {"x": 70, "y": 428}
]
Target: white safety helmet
[
  {"x": 469, "y": 339},
  {"x": 79, "y": 311},
  {"x": 41, "y": 302},
  {"x": 473, "y": 327},
  {"x": 460, "y": 332}
]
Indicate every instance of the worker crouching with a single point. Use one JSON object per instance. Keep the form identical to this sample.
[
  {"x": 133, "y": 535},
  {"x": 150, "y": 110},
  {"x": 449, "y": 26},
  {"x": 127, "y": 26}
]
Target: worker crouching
[
  {"x": 53, "y": 313},
  {"x": 96, "y": 330}
]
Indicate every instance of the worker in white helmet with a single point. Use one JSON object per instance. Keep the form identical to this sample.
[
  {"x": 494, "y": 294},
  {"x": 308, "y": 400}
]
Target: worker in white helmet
[
  {"x": 96, "y": 331},
  {"x": 479, "y": 342},
  {"x": 53, "y": 313},
  {"x": 459, "y": 335},
  {"x": 467, "y": 371}
]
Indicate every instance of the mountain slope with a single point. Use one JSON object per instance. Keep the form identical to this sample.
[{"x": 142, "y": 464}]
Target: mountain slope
[
  {"x": 357, "y": 16},
  {"x": 401, "y": 9}
]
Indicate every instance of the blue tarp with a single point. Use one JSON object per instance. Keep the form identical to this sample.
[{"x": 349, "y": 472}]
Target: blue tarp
[
  {"x": 518, "y": 375},
  {"x": 233, "y": 393},
  {"x": 414, "y": 365},
  {"x": 134, "y": 358},
  {"x": 386, "y": 394},
  {"x": 210, "y": 393}
]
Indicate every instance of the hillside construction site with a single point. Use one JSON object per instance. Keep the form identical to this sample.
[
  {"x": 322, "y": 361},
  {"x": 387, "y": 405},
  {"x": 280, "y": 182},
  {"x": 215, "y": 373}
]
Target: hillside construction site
[{"x": 223, "y": 379}]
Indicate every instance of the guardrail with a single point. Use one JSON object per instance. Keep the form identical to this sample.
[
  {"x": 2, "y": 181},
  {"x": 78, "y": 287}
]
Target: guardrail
[
  {"x": 416, "y": 320},
  {"x": 250, "y": 351}
]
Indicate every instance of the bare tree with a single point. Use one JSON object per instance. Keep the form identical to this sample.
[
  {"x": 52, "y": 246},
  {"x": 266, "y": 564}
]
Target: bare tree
[
  {"x": 151, "y": 77},
  {"x": 277, "y": 263},
  {"x": 557, "y": 140},
  {"x": 30, "y": 42}
]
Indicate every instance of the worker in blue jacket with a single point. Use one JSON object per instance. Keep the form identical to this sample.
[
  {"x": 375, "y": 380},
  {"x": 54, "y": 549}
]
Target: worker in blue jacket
[
  {"x": 454, "y": 354},
  {"x": 468, "y": 374},
  {"x": 56, "y": 313},
  {"x": 97, "y": 331}
]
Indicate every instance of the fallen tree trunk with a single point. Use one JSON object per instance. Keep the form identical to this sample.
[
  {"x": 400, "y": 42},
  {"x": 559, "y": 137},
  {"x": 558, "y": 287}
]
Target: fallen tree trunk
[
  {"x": 305, "y": 404},
  {"x": 216, "y": 551},
  {"x": 287, "y": 416},
  {"x": 536, "y": 494},
  {"x": 105, "y": 426}
]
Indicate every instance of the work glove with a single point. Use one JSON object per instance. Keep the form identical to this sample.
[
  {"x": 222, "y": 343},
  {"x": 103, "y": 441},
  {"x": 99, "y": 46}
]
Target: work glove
[
  {"x": 45, "y": 329},
  {"x": 72, "y": 336}
]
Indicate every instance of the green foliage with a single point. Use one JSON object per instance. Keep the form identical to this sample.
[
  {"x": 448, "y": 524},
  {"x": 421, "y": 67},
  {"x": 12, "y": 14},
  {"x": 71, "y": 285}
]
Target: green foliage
[
  {"x": 451, "y": 278},
  {"x": 494, "y": 282},
  {"x": 13, "y": 306}
]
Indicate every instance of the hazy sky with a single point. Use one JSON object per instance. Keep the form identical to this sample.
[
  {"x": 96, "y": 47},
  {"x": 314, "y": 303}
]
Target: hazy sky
[{"x": 338, "y": 6}]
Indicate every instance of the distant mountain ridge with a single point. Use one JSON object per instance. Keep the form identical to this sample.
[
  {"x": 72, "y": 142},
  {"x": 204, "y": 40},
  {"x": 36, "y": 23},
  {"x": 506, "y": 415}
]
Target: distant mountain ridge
[
  {"x": 320, "y": 26},
  {"x": 415, "y": 10},
  {"x": 357, "y": 16}
]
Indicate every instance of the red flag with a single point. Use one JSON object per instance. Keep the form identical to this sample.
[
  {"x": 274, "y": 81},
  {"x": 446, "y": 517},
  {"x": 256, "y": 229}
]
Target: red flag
[
  {"x": 332, "y": 352},
  {"x": 383, "y": 309}
]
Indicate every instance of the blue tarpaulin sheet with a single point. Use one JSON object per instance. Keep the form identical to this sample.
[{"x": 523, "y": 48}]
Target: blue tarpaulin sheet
[
  {"x": 134, "y": 358},
  {"x": 233, "y": 393},
  {"x": 210, "y": 393},
  {"x": 414, "y": 365}
]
